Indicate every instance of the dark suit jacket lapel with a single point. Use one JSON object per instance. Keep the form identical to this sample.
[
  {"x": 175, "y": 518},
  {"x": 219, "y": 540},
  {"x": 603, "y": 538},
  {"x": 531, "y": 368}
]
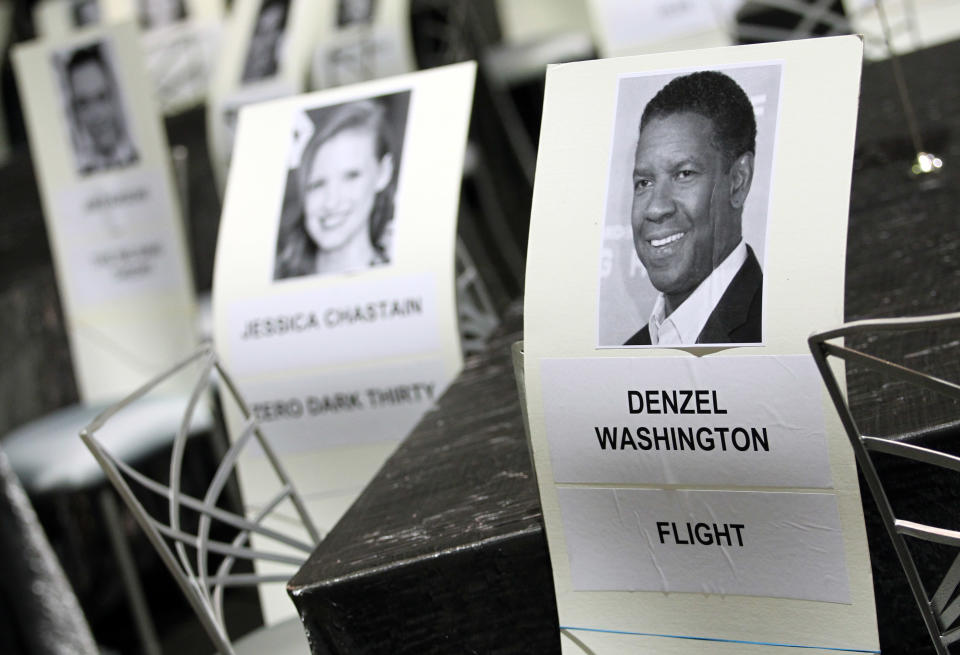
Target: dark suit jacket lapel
[{"x": 737, "y": 317}]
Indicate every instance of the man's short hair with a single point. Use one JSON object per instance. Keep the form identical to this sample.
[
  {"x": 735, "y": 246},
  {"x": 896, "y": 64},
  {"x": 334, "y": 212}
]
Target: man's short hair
[
  {"x": 91, "y": 54},
  {"x": 712, "y": 95},
  {"x": 281, "y": 4}
]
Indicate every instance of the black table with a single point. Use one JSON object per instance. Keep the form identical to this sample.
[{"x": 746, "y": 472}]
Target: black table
[{"x": 444, "y": 551}]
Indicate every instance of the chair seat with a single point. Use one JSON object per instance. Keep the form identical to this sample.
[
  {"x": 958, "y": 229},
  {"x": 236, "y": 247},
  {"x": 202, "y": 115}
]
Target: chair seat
[
  {"x": 48, "y": 455},
  {"x": 285, "y": 638}
]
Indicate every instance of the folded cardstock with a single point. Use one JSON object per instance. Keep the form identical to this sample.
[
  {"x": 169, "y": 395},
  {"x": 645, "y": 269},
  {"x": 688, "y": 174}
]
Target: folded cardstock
[{"x": 687, "y": 234}]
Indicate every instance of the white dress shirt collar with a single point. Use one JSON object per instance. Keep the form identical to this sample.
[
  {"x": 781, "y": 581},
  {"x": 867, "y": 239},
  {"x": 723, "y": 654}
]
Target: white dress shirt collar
[{"x": 686, "y": 322}]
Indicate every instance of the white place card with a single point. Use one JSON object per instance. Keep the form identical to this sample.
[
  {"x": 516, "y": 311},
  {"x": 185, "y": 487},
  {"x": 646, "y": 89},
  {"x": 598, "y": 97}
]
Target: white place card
[
  {"x": 698, "y": 489},
  {"x": 110, "y": 207},
  {"x": 333, "y": 296}
]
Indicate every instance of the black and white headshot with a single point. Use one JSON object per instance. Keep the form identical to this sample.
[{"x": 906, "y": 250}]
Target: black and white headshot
[
  {"x": 84, "y": 12},
  {"x": 94, "y": 109},
  {"x": 682, "y": 257},
  {"x": 153, "y": 14},
  {"x": 264, "y": 52},
  {"x": 355, "y": 12},
  {"x": 338, "y": 207}
]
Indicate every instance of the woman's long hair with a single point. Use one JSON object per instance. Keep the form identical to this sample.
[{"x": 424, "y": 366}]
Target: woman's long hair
[{"x": 296, "y": 251}]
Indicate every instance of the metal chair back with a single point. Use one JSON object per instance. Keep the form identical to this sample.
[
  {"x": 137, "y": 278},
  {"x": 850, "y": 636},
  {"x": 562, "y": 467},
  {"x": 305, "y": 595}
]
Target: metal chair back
[
  {"x": 202, "y": 565},
  {"x": 941, "y": 609}
]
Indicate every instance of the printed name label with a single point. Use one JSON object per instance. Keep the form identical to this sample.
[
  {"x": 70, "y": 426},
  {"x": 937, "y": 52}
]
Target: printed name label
[
  {"x": 349, "y": 321},
  {"x": 744, "y": 421},
  {"x": 786, "y": 545},
  {"x": 362, "y": 405},
  {"x": 118, "y": 238}
]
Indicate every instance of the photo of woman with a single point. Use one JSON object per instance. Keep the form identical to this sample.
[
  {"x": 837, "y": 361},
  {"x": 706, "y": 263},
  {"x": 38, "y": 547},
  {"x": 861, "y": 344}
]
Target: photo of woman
[{"x": 339, "y": 202}]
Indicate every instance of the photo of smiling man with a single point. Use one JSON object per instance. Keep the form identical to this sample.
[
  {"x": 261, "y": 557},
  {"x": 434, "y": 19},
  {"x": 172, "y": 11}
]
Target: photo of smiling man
[{"x": 681, "y": 262}]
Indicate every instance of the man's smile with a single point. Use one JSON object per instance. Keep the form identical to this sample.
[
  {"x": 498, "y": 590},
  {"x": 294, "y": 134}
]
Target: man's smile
[{"x": 657, "y": 243}]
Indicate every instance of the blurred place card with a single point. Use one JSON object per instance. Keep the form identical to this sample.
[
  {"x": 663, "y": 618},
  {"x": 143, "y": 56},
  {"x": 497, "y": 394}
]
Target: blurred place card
[
  {"x": 705, "y": 542},
  {"x": 682, "y": 438},
  {"x": 362, "y": 40},
  {"x": 110, "y": 205},
  {"x": 333, "y": 298},
  {"x": 180, "y": 41},
  {"x": 265, "y": 55},
  {"x": 626, "y": 27}
]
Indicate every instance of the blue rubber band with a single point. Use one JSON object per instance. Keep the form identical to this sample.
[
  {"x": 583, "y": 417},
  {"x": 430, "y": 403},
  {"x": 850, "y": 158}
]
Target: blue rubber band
[{"x": 728, "y": 641}]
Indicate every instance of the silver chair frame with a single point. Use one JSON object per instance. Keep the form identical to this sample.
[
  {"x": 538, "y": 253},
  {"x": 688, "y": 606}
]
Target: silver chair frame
[
  {"x": 942, "y": 609},
  {"x": 204, "y": 588}
]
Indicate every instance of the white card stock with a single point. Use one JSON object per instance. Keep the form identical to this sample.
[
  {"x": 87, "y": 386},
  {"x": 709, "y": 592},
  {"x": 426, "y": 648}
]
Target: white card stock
[
  {"x": 333, "y": 297},
  {"x": 787, "y": 545},
  {"x": 697, "y": 487},
  {"x": 110, "y": 207}
]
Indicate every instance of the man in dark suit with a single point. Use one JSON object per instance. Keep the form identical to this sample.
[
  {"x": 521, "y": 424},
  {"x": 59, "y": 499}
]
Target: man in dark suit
[{"x": 692, "y": 173}]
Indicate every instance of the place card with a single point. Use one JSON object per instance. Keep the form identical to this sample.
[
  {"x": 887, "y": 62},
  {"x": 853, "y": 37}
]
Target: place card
[
  {"x": 333, "y": 295},
  {"x": 110, "y": 206},
  {"x": 744, "y": 421},
  {"x": 705, "y": 542},
  {"x": 697, "y": 486}
]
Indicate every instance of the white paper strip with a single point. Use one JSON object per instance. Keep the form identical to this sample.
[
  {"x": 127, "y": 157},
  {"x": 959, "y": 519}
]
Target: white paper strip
[
  {"x": 357, "y": 320},
  {"x": 360, "y": 405},
  {"x": 344, "y": 290},
  {"x": 808, "y": 108},
  {"x": 746, "y": 421},
  {"x": 787, "y": 545},
  {"x": 110, "y": 206}
]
